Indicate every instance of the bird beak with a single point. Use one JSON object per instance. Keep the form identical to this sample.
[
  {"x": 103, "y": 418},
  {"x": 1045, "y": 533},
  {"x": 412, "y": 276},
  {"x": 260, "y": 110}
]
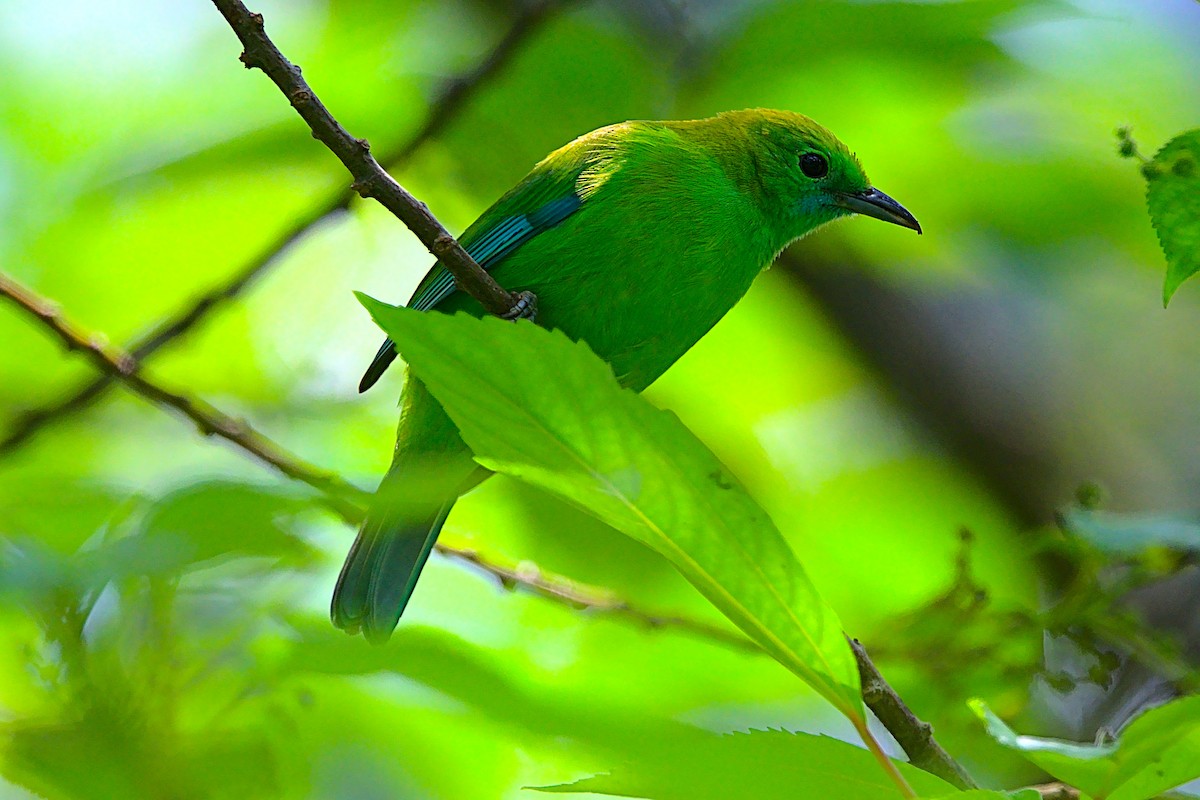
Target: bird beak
[{"x": 874, "y": 203}]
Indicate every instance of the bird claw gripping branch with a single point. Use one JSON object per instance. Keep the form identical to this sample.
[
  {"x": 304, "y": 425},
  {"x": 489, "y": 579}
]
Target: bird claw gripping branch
[{"x": 524, "y": 308}]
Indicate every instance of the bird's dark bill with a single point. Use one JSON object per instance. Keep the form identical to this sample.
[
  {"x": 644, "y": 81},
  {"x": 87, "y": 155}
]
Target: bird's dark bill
[{"x": 874, "y": 203}]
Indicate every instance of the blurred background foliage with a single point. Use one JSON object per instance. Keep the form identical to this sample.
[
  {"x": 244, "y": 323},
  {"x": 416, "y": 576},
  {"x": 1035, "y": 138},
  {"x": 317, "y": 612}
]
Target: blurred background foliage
[{"x": 163, "y": 597}]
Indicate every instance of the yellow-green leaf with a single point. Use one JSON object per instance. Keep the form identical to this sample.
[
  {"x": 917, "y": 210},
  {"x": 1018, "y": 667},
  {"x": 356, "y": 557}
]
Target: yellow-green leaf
[
  {"x": 1173, "y": 197},
  {"x": 1157, "y": 751}
]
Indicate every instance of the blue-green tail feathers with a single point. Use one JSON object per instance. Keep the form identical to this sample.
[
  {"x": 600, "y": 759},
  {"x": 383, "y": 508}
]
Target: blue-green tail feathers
[
  {"x": 382, "y": 568},
  {"x": 406, "y": 515}
]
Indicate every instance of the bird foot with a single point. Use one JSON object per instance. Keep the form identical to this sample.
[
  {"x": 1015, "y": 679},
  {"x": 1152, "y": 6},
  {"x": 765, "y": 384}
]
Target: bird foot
[{"x": 524, "y": 308}]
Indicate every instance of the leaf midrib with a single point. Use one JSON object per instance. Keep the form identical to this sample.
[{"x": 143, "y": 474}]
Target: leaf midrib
[{"x": 797, "y": 665}]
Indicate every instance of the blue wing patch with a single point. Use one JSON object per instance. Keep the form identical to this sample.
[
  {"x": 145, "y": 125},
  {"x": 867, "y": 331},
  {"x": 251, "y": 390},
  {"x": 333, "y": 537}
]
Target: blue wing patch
[{"x": 488, "y": 250}]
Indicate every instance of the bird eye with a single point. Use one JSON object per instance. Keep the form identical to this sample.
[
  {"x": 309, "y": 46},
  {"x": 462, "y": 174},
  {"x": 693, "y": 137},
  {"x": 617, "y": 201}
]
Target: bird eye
[{"x": 814, "y": 165}]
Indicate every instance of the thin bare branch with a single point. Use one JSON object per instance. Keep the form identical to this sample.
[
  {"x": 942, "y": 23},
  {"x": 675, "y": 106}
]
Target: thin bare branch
[
  {"x": 530, "y": 578},
  {"x": 443, "y": 111},
  {"x": 370, "y": 179},
  {"x": 208, "y": 420}
]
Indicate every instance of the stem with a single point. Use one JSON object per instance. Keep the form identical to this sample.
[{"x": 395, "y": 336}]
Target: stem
[
  {"x": 889, "y": 766},
  {"x": 914, "y": 736},
  {"x": 370, "y": 179}
]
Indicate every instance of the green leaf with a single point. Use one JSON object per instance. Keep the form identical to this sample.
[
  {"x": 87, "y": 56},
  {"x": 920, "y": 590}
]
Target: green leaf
[
  {"x": 765, "y": 765},
  {"x": 1173, "y": 197},
  {"x": 60, "y": 513},
  {"x": 491, "y": 682},
  {"x": 533, "y": 404},
  {"x": 1157, "y": 751},
  {"x": 193, "y": 527},
  {"x": 220, "y": 519},
  {"x": 1129, "y": 534},
  {"x": 198, "y": 526}
]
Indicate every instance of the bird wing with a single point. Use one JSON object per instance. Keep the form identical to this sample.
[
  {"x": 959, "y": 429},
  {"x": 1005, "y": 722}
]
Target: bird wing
[
  {"x": 496, "y": 235},
  {"x": 547, "y": 196}
]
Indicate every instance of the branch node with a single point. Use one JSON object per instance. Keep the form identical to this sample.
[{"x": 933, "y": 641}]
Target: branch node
[
  {"x": 363, "y": 145},
  {"x": 47, "y": 310},
  {"x": 126, "y": 364},
  {"x": 300, "y": 97},
  {"x": 442, "y": 244},
  {"x": 528, "y": 572},
  {"x": 873, "y": 691},
  {"x": 364, "y": 187},
  {"x": 236, "y": 429}
]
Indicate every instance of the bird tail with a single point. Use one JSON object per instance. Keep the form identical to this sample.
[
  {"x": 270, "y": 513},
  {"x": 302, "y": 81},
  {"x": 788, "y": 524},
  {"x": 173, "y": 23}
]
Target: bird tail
[{"x": 386, "y": 559}]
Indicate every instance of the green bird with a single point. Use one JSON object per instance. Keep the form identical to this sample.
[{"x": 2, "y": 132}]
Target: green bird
[{"x": 636, "y": 238}]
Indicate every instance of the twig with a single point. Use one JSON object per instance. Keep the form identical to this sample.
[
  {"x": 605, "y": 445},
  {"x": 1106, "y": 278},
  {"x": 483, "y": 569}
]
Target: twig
[
  {"x": 913, "y": 735},
  {"x": 122, "y": 366},
  {"x": 31, "y": 422},
  {"x": 1061, "y": 791},
  {"x": 529, "y": 577},
  {"x": 443, "y": 110},
  {"x": 370, "y": 179},
  {"x": 1056, "y": 791}
]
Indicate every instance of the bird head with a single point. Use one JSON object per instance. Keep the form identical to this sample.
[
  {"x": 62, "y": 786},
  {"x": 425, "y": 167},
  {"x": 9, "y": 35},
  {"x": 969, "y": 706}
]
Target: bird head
[{"x": 807, "y": 177}]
